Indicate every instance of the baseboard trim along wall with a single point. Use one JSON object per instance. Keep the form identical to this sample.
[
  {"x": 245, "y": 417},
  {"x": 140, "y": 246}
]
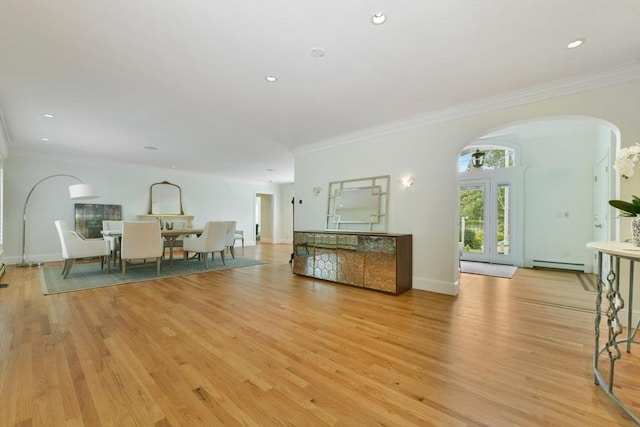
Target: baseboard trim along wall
[
  {"x": 559, "y": 265},
  {"x": 439, "y": 286}
]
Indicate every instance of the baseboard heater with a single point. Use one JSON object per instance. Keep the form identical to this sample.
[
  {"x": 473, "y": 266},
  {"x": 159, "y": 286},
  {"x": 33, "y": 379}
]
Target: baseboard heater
[{"x": 558, "y": 265}]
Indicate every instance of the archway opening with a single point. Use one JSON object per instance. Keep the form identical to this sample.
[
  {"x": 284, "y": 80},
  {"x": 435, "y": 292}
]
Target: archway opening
[{"x": 540, "y": 203}]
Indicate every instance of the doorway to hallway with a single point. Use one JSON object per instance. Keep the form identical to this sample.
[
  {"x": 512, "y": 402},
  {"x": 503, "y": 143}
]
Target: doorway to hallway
[{"x": 264, "y": 214}]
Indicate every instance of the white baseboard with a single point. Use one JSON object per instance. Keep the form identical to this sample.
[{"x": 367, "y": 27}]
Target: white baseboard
[
  {"x": 438, "y": 286},
  {"x": 558, "y": 265}
]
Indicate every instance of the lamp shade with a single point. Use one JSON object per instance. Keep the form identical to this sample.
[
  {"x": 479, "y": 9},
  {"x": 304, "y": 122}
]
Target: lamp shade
[{"x": 83, "y": 191}]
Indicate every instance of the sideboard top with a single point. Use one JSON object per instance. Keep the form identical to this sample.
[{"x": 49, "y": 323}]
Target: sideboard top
[{"x": 359, "y": 233}]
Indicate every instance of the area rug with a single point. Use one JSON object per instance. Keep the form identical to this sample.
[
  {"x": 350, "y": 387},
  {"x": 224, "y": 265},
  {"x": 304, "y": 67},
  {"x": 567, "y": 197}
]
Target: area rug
[
  {"x": 88, "y": 276},
  {"x": 485, "y": 269}
]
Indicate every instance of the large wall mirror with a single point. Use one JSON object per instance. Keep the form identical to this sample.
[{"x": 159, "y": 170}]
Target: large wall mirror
[
  {"x": 165, "y": 199},
  {"x": 359, "y": 204}
]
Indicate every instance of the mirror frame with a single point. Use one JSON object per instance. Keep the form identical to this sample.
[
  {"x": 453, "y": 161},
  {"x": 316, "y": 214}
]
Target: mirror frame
[
  {"x": 181, "y": 212},
  {"x": 379, "y": 190}
]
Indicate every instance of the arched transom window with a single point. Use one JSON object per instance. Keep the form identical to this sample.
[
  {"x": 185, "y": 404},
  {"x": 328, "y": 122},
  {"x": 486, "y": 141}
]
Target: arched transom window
[{"x": 483, "y": 157}]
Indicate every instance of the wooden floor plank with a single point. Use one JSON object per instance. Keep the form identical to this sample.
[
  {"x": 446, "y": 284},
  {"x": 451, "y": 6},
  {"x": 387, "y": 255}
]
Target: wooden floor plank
[{"x": 259, "y": 346}]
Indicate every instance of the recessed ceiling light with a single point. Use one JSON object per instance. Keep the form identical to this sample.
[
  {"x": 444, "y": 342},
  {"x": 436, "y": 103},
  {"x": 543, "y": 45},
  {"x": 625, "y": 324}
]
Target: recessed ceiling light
[
  {"x": 576, "y": 43},
  {"x": 48, "y": 116},
  {"x": 150, "y": 147},
  {"x": 378, "y": 18},
  {"x": 271, "y": 79},
  {"x": 317, "y": 52},
  {"x": 44, "y": 139}
]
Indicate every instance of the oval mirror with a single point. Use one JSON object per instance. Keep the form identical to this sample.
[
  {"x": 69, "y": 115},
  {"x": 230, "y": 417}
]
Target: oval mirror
[{"x": 165, "y": 199}]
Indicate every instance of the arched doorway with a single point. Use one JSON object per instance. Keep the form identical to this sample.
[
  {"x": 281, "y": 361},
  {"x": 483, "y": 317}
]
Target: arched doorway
[{"x": 564, "y": 185}]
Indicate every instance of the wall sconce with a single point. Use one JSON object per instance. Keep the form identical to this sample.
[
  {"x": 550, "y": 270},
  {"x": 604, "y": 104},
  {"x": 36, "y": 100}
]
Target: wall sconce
[
  {"x": 408, "y": 181},
  {"x": 76, "y": 191},
  {"x": 477, "y": 159},
  {"x": 316, "y": 191}
]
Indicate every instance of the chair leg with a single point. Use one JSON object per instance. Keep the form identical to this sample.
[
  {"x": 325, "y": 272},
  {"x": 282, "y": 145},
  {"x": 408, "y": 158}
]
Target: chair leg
[
  {"x": 205, "y": 256},
  {"x": 109, "y": 264},
  {"x": 68, "y": 268},
  {"x": 64, "y": 268},
  {"x": 222, "y": 255},
  {"x": 159, "y": 263},
  {"x": 232, "y": 251},
  {"x": 123, "y": 263}
]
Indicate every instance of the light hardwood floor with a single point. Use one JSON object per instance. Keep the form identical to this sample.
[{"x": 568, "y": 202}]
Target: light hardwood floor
[{"x": 258, "y": 346}]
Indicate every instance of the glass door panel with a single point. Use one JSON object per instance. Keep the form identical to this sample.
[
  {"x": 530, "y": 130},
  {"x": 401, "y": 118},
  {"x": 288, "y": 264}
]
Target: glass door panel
[
  {"x": 472, "y": 219},
  {"x": 503, "y": 223},
  {"x": 485, "y": 221}
]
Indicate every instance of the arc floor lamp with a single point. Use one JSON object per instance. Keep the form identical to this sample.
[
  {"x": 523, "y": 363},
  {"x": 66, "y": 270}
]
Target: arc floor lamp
[{"x": 78, "y": 191}]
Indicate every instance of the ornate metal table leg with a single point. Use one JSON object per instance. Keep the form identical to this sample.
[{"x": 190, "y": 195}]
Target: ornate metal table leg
[
  {"x": 613, "y": 323},
  {"x": 610, "y": 286},
  {"x": 630, "y": 337},
  {"x": 596, "y": 352}
]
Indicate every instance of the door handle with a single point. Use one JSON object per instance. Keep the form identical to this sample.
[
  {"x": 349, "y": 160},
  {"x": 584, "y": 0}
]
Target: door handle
[{"x": 598, "y": 225}]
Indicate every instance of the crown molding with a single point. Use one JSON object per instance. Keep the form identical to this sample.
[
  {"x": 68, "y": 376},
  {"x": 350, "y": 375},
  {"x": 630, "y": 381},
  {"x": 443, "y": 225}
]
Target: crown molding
[{"x": 542, "y": 92}]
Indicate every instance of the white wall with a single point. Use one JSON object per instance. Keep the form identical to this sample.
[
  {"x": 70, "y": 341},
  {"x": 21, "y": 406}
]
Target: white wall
[
  {"x": 207, "y": 197},
  {"x": 558, "y": 181},
  {"x": 429, "y": 209}
]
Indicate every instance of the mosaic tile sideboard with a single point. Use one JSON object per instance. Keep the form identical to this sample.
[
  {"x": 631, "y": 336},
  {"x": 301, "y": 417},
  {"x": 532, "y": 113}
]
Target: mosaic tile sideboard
[{"x": 381, "y": 262}]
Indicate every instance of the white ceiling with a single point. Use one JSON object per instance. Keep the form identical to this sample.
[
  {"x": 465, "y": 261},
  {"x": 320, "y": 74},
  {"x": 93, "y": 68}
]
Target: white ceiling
[{"x": 188, "y": 77}]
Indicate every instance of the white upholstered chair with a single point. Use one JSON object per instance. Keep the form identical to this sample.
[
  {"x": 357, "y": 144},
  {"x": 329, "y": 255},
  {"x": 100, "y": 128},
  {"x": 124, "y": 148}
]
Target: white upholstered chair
[
  {"x": 230, "y": 238},
  {"x": 141, "y": 240},
  {"x": 114, "y": 241},
  {"x": 213, "y": 239},
  {"x": 75, "y": 247}
]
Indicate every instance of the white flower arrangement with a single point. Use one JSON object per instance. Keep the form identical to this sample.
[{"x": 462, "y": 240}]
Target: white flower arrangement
[
  {"x": 625, "y": 164},
  {"x": 626, "y": 161}
]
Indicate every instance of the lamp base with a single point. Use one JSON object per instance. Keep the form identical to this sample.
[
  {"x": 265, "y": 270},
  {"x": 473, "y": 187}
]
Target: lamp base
[{"x": 29, "y": 264}]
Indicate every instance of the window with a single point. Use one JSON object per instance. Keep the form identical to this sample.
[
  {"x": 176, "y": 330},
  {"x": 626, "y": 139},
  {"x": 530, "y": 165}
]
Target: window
[{"x": 494, "y": 157}]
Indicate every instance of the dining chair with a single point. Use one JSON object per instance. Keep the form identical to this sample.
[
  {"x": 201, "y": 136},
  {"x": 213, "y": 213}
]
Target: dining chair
[
  {"x": 114, "y": 241},
  {"x": 141, "y": 240},
  {"x": 213, "y": 239},
  {"x": 75, "y": 247},
  {"x": 239, "y": 236},
  {"x": 231, "y": 237}
]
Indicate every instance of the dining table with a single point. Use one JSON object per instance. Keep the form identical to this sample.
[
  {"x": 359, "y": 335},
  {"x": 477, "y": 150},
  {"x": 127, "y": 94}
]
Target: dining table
[{"x": 170, "y": 235}]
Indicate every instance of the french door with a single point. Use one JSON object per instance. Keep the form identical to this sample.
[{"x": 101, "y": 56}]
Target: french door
[{"x": 486, "y": 231}]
